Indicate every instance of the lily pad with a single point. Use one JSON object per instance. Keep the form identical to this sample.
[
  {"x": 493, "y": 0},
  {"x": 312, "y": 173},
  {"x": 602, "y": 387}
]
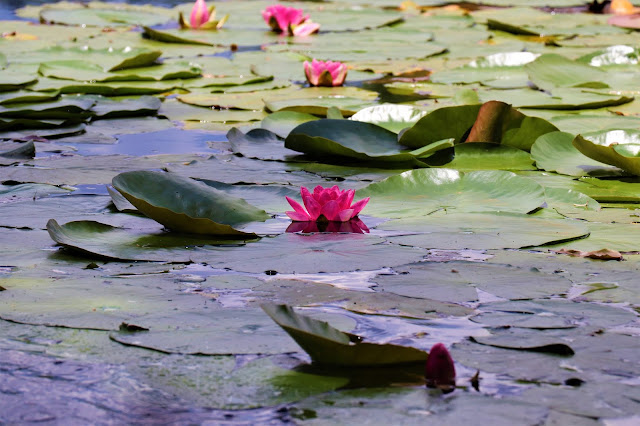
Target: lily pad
[
  {"x": 620, "y": 148},
  {"x": 461, "y": 282},
  {"x": 390, "y": 116},
  {"x": 482, "y": 230},
  {"x": 552, "y": 70},
  {"x": 421, "y": 192},
  {"x": 185, "y": 205},
  {"x": 551, "y": 314},
  {"x": 213, "y": 332},
  {"x": 311, "y": 254},
  {"x": 259, "y": 143},
  {"x": 352, "y": 139},
  {"x": 329, "y": 346},
  {"x": 555, "y": 152},
  {"x": 98, "y": 239}
]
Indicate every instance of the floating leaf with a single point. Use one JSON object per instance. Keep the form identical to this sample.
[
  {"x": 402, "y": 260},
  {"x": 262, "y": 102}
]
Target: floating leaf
[
  {"x": 353, "y": 139},
  {"x": 620, "y": 148},
  {"x": 555, "y": 152},
  {"x": 421, "y": 192},
  {"x": 185, "y": 205},
  {"x": 98, "y": 239},
  {"x": 328, "y": 345}
]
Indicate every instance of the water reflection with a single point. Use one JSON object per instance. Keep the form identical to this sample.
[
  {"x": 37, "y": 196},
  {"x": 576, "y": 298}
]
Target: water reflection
[{"x": 354, "y": 226}]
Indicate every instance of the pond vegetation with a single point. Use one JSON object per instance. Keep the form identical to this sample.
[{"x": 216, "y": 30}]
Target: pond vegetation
[{"x": 473, "y": 188}]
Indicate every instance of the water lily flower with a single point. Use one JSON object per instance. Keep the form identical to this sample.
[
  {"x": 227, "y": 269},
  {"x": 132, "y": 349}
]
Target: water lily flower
[
  {"x": 202, "y": 18},
  {"x": 440, "y": 371},
  {"x": 325, "y": 73},
  {"x": 289, "y": 20},
  {"x": 325, "y": 204}
]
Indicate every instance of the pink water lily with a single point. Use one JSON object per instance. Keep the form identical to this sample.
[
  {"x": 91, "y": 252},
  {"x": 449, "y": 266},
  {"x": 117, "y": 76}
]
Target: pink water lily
[
  {"x": 202, "y": 18},
  {"x": 325, "y": 73},
  {"x": 199, "y": 14},
  {"x": 289, "y": 20},
  {"x": 330, "y": 204},
  {"x": 440, "y": 372}
]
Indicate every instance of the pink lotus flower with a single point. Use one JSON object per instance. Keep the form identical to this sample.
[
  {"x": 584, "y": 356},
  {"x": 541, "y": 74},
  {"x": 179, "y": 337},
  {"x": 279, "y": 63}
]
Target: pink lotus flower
[
  {"x": 330, "y": 204},
  {"x": 202, "y": 18},
  {"x": 440, "y": 371},
  {"x": 321, "y": 73},
  {"x": 289, "y": 20}
]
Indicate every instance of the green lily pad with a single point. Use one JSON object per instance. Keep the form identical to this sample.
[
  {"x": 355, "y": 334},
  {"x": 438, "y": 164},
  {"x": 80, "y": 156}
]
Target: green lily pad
[
  {"x": 622, "y": 237},
  {"x": 482, "y": 230},
  {"x": 620, "y": 148},
  {"x": 488, "y": 156},
  {"x": 561, "y": 99},
  {"x": 98, "y": 239},
  {"x": 232, "y": 331},
  {"x": 555, "y": 152},
  {"x": 420, "y": 192},
  {"x": 25, "y": 96},
  {"x": 21, "y": 151},
  {"x": 460, "y": 282},
  {"x": 537, "y": 343},
  {"x": 390, "y": 116},
  {"x": 140, "y": 106},
  {"x": 283, "y": 122},
  {"x": 550, "y": 314},
  {"x": 185, "y": 205},
  {"x": 352, "y": 139},
  {"x": 443, "y": 123},
  {"x": 327, "y": 345},
  {"x": 259, "y": 143},
  {"x": 552, "y": 70},
  {"x": 311, "y": 254},
  {"x": 95, "y": 17}
]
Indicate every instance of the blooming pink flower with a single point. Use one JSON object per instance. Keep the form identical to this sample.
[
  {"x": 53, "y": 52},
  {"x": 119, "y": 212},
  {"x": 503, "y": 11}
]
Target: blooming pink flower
[
  {"x": 331, "y": 203},
  {"x": 289, "y": 20},
  {"x": 199, "y": 14},
  {"x": 440, "y": 371},
  {"x": 325, "y": 73}
]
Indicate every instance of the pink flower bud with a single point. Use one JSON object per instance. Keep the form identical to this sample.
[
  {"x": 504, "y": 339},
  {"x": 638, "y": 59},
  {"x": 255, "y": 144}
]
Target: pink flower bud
[
  {"x": 440, "y": 371},
  {"x": 199, "y": 14},
  {"x": 321, "y": 73}
]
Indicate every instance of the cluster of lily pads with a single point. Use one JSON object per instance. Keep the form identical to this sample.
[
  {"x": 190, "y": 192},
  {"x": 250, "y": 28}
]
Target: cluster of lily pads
[{"x": 486, "y": 140}]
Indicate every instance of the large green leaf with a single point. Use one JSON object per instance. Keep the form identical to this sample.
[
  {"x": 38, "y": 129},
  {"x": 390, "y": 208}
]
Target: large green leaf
[
  {"x": 283, "y": 122},
  {"x": 555, "y": 152},
  {"x": 130, "y": 15},
  {"x": 620, "y": 148},
  {"x": 184, "y": 205},
  {"x": 421, "y": 192},
  {"x": 390, "y": 116},
  {"x": 443, "y": 123},
  {"x": 484, "y": 156},
  {"x": 483, "y": 231},
  {"x": 327, "y": 345},
  {"x": 552, "y": 70},
  {"x": 353, "y": 139},
  {"x": 102, "y": 240}
]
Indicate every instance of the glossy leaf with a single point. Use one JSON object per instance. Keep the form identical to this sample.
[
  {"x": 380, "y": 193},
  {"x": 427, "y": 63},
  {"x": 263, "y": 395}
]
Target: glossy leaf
[{"x": 185, "y": 205}]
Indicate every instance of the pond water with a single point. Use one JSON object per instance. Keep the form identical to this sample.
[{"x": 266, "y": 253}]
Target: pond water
[{"x": 122, "y": 321}]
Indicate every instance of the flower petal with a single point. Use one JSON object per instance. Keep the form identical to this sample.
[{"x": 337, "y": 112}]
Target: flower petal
[
  {"x": 296, "y": 206},
  {"x": 313, "y": 207},
  {"x": 345, "y": 215},
  {"x": 357, "y": 207},
  {"x": 331, "y": 210},
  {"x": 298, "y": 217}
]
